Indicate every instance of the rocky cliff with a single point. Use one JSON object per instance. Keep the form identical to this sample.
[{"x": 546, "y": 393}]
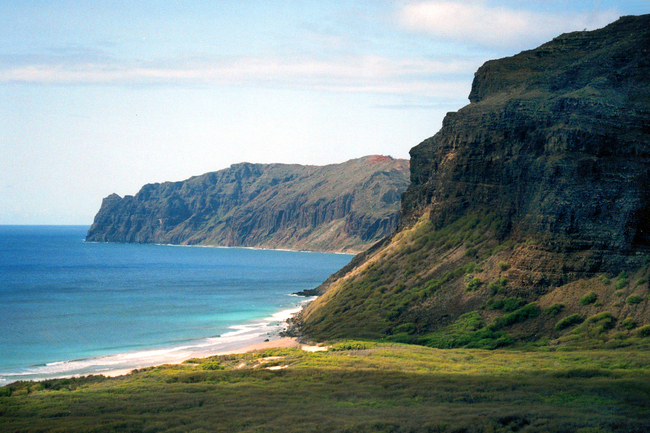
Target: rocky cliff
[
  {"x": 342, "y": 207},
  {"x": 535, "y": 194}
]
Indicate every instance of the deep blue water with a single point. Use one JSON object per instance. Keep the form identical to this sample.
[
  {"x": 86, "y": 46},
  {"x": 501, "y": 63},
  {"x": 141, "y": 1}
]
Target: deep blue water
[{"x": 71, "y": 307}]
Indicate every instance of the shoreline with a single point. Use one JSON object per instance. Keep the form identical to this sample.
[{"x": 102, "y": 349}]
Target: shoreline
[
  {"x": 279, "y": 343},
  {"x": 257, "y": 335}
]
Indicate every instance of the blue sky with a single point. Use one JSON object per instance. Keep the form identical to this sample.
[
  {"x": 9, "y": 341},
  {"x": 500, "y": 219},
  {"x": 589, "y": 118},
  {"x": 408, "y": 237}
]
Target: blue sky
[{"x": 99, "y": 97}]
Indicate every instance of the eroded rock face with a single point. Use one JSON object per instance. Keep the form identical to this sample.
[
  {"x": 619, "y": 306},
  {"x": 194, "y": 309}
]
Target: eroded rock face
[
  {"x": 341, "y": 207},
  {"x": 556, "y": 140},
  {"x": 538, "y": 190}
]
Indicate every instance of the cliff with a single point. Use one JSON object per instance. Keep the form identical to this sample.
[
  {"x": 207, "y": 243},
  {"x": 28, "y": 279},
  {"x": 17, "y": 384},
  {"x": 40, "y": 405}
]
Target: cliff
[
  {"x": 342, "y": 207},
  {"x": 531, "y": 198}
]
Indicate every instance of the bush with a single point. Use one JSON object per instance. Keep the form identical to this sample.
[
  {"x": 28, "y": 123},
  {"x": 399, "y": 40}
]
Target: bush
[
  {"x": 554, "y": 309},
  {"x": 504, "y": 266},
  {"x": 352, "y": 345},
  {"x": 529, "y": 311},
  {"x": 629, "y": 323},
  {"x": 620, "y": 283},
  {"x": 495, "y": 304},
  {"x": 212, "y": 366},
  {"x": 633, "y": 299},
  {"x": 589, "y": 298},
  {"x": 641, "y": 281},
  {"x": 474, "y": 284},
  {"x": 508, "y": 304},
  {"x": 601, "y": 322},
  {"x": 568, "y": 322},
  {"x": 606, "y": 281},
  {"x": 643, "y": 331},
  {"x": 497, "y": 286},
  {"x": 511, "y": 304}
]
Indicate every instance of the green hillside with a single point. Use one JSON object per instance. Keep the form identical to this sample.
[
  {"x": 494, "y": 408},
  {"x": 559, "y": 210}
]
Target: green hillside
[
  {"x": 527, "y": 220},
  {"x": 339, "y": 207}
]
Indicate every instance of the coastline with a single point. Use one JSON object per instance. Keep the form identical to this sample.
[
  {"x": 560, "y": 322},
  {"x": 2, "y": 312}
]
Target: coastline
[
  {"x": 280, "y": 343},
  {"x": 258, "y": 335}
]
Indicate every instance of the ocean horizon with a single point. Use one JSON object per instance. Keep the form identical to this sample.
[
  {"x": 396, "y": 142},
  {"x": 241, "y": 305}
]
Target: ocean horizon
[{"x": 72, "y": 307}]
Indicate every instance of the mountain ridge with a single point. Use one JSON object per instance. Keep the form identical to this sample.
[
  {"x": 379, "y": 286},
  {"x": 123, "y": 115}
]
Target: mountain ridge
[
  {"x": 339, "y": 207},
  {"x": 528, "y": 208}
]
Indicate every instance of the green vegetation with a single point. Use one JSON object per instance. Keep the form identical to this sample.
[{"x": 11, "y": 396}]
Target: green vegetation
[
  {"x": 643, "y": 331},
  {"x": 555, "y": 309},
  {"x": 522, "y": 314},
  {"x": 568, "y": 322},
  {"x": 634, "y": 299},
  {"x": 474, "y": 284},
  {"x": 375, "y": 302},
  {"x": 589, "y": 298},
  {"x": 468, "y": 331},
  {"x": 497, "y": 286},
  {"x": 603, "y": 279},
  {"x": 629, "y": 323},
  {"x": 357, "y": 387}
]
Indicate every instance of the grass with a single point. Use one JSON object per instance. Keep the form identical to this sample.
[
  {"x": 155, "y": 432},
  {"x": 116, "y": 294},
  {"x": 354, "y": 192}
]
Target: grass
[
  {"x": 357, "y": 387},
  {"x": 589, "y": 298}
]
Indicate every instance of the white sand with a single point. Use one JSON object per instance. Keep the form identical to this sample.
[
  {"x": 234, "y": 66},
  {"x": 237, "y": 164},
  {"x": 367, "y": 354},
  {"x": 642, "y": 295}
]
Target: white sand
[{"x": 281, "y": 343}]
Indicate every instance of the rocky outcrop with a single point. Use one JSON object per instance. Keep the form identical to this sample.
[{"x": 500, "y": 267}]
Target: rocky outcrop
[
  {"x": 555, "y": 141},
  {"x": 542, "y": 181},
  {"x": 342, "y": 207}
]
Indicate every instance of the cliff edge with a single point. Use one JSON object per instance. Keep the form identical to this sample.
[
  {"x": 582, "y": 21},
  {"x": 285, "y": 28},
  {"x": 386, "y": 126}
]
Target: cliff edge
[
  {"x": 341, "y": 207},
  {"x": 529, "y": 207}
]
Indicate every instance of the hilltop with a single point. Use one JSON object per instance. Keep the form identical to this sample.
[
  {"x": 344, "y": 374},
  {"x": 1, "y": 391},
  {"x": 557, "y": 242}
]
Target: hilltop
[
  {"x": 340, "y": 207},
  {"x": 527, "y": 220}
]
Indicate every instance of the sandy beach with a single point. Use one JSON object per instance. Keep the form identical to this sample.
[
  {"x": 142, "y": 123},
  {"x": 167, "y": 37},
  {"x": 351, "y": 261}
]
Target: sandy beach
[{"x": 281, "y": 343}]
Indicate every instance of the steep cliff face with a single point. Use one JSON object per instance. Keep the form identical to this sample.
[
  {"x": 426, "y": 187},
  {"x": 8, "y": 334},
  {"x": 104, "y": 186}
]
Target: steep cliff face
[
  {"x": 555, "y": 141},
  {"x": 546, "y": 171},
  {"x": 342, "y": 207}
]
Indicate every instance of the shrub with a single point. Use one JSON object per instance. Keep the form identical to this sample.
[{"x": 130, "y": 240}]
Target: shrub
[
  {"x": 474, "y": 284},
  {"x": 620, "y": 283},
  {"x": 568, "y": 321},
  {"x": 495, "y": 304},
  {"x": 352, "y": 345},
  {"x": 606, "y": 281},
  {"x": 504, "y": 266},
  {"x": 629, "y": 323},
  {"x": 601, "y": 322},
  {"x": 554, "y": 309},
  {"x": 497, "y": 286},
  {"x": 641, "y": 281},
  {"x": 524, "y": 313},
  {"x": 213, "y": 365},
  {"x": 589, "y": 298},
  {"x": 508, "y": 304},
  {"x": 633, "y": 299},
  {"x": 511, "y": 304},
  {"x": 643, "y": 331}
]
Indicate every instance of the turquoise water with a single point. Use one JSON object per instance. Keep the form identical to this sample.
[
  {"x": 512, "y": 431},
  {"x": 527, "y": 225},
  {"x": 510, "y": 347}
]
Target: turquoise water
[{"x": 70, "y": 307}]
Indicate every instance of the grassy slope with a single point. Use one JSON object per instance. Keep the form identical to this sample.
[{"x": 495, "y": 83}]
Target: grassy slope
[
  {"x": 463, "y": 287},
  {"x": 357, "y": 387}
]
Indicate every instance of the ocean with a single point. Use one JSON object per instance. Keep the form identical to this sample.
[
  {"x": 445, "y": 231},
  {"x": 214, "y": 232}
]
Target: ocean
[{"x": 69, "y": 307}]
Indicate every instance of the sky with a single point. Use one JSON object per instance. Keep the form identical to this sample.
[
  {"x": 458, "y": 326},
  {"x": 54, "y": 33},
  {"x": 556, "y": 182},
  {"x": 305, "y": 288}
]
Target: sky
[{"x": 101, "y": 97}]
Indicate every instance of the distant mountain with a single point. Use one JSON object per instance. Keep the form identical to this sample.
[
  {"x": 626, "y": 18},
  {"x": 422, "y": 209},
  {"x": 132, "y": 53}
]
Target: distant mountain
[
  {"x": 342, "y": 207},
  {"x": 527, "y": 220}
]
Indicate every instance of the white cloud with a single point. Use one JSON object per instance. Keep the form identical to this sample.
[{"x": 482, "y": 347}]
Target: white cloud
[
  {"x": 479, "y": 23},
  {"x": 363, "y": 74}
]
